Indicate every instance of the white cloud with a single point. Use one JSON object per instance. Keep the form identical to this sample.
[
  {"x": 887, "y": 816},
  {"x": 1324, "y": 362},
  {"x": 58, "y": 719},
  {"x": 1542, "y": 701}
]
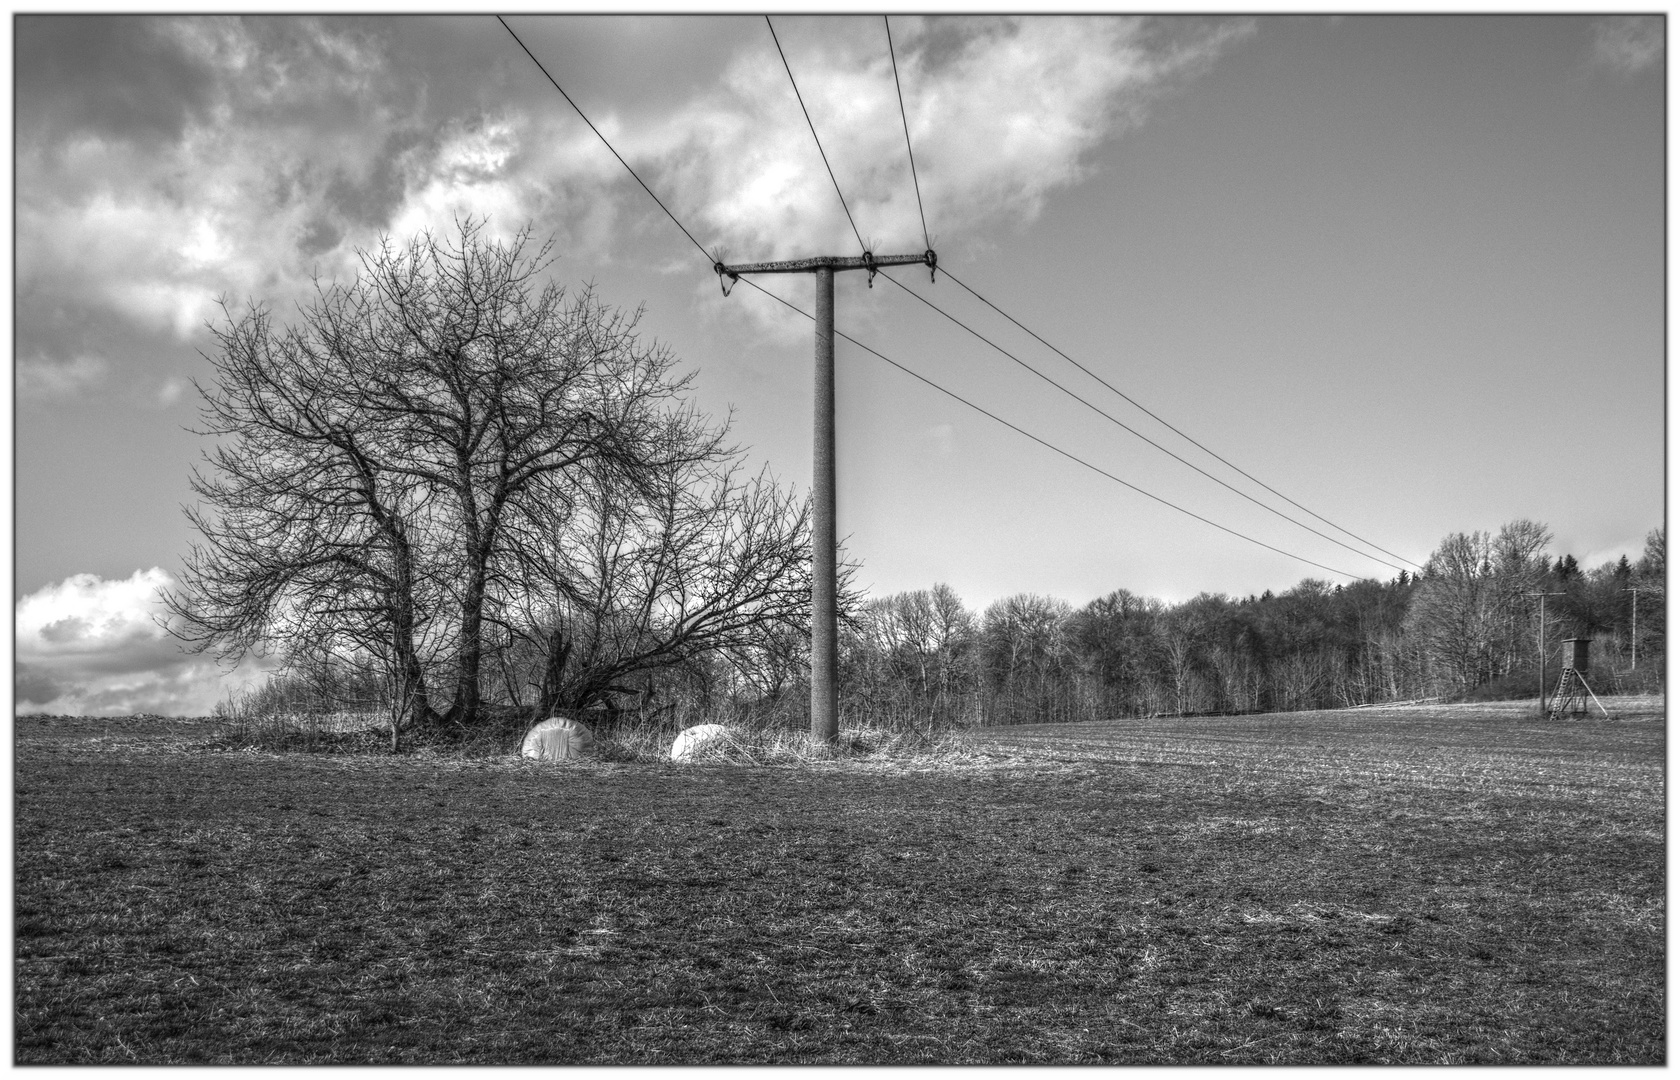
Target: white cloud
[
  {"x": 41, "y": 378},
  {"x": 156, "y": 259},
  {"x": 91, "y": 646},
  {"x": 314, "y": 141},
  {"x": 314, "y": 148},
  {"x": 247, "y": 202},
  {"x": 1001, "y": 112},
  {"x": 510, "y": 169},
  {"x": 1628, "y": 43}
]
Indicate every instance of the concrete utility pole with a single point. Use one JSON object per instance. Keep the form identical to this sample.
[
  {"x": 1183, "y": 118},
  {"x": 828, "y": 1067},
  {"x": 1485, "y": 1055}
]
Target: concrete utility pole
[
  {"x": 1635, "y": 592},
  {"x": 825, "y": 583},
  {"x": 1542, "y": 596}
]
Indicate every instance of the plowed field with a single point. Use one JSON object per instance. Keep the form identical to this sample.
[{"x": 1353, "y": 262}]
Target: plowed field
[{"x": 1454, "y": 885}]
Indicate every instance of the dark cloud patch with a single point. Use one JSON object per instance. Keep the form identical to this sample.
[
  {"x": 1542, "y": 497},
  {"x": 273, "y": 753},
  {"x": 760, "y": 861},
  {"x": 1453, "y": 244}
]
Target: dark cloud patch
[
  {"x": 331, "y": 82},
  {"x": 318, "y": 237},
  {"x": 136, "y": 648},
  {"x": 66, "y": 630},
  {"x": 189, "y": 691},
  {"x": 369, "y": 201},
  {"x": 326, "y": 72},
  {"x": 93, "y": 645},
  {"x": 57, "y": 323},
  {"x": 54, "y": 322},
  {"x": 377, "y": 77},
  {"x": 942, "y": 41},
  {"x": 643, "y": 66},
  {"x": 448, "y": 66},
  {"x": 115, "y": 76},
  {"x": 33, "y": 686}
]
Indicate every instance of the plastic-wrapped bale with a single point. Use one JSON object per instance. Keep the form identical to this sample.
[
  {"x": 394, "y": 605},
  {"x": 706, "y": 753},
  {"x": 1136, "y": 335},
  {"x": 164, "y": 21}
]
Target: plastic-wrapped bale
[
  {"x": 557, "y": 739},
  {"x": 692, "y": 741}
]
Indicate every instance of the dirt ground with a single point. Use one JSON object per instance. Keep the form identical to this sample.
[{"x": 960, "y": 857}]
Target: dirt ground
[{"x": 1461, "y": 884}]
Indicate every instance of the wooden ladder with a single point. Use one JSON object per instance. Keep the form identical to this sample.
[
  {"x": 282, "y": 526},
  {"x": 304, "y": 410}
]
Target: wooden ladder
[{"x": 1572, "y": 692}]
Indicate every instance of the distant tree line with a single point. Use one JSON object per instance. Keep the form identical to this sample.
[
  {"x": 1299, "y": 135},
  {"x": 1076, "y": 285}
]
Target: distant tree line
[{"x": 1466, "y": 626}]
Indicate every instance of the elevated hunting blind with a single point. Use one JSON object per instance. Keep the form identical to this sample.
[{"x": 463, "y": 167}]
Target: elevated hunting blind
[{"x": 1573, "y": 691}]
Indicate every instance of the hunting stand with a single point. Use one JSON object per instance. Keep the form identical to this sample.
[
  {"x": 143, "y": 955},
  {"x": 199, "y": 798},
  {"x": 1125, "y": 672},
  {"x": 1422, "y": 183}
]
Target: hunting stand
[{"x": 1572, "y": 690}]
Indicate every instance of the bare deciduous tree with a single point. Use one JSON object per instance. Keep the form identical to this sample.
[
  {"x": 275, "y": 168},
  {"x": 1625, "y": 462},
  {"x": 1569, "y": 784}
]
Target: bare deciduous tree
[
  {"x": 384, "y": 462},
  {"x": 1025, "y": 651},
  {"x": 694, "y": 559},
  {"x": 1455, "y": 613}
]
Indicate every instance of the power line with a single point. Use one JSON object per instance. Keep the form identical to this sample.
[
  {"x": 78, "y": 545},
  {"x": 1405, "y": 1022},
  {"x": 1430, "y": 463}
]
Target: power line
[
  {"x": 813, "y": 128},
  {"x": 1173, "y": 429},
  {"x": 901, "y": 367},
  {"x": 608, "y": 145},
  {"x": 1051, "y": 446},
  {"x": 905, "y": 120},
  {"x": 900, "y": 87},
  {"x": 1128, "y": 428}
]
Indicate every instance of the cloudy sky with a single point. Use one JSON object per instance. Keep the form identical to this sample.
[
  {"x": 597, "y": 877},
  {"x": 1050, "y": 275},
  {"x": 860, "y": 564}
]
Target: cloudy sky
[{"x": 1407, "y": 271}]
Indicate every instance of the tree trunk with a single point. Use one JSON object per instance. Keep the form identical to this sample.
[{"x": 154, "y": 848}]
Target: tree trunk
[
  {"x": 554, "y": 671},
  {"x": 468, "y": 703},
  {"x": 469, "y": 654},
  {"x": 413, "y": 705}
]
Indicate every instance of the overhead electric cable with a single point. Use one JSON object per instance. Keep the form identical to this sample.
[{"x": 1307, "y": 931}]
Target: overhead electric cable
[
  {"x": 900, "y": 87},
  {"x": 1170, "y": 427},
  {"x": 608, "y": 145},
  {"x": 1051, "y": 446},
  {"x": 813, "y": 128},
  {"x": 1128, "y": 428},
  {"x": 920, "y": 378}
]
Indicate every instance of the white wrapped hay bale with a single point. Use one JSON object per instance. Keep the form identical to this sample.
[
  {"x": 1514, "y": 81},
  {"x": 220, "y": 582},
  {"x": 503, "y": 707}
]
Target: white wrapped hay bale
[
  {"x": 692, "y": 741},
  {"x": 557, "y": 739}
]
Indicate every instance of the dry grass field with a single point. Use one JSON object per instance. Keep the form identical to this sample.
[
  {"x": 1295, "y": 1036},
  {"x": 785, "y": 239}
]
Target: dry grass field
[{"x": 1460, "y": 884}]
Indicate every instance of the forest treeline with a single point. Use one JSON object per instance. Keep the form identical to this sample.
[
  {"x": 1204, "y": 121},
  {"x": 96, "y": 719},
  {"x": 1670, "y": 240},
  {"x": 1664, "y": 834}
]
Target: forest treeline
[{"x": 1466, "y": 626}]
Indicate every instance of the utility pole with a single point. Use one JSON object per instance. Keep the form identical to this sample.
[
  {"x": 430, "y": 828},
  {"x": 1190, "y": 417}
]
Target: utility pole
[
  {"x": 1542, "y": 596},
  {"x": 1635, "y": 592},
  {"x": 825, "y": 584}
]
